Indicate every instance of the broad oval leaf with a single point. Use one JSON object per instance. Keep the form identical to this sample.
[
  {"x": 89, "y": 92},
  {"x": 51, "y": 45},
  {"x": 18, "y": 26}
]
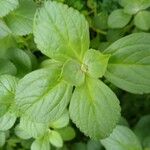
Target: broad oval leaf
[
  {"x": 43, "y": 95},
  {"x": 129, "y": 64},
  {"x": 95, "y": 109},
  {"x": 20, "y": 21},
  {"x": 63, "y": 33},
  {"x": 122, "y": 138},
  {"x": 142, "y": 20},
  {"x": 6, "y": 6},
  {"x": 118, "y": 19}
]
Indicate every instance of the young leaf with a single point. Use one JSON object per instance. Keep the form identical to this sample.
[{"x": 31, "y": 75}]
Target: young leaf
[
  {"x": 95, "y": 109},
  {"x": 2, "y": 138},
  {"x": 55, "y": 139},
  {"x": 41, "y": 144},
  {"x": 73, "y": 73},
  {"x": 61, "y": 122},
  {"x": 6, "y": 6},
  {"x": 67, "y": 133},
  {"x": 129, "y": 64},
  {"x": 96, "y": 63},
  {"x": 43, "y": 95},
  {"x": 122, "y": 138},
  {"x": 20, "y": 21},
  {"x": 142, "y": 20},
  {"x": 8, "y": 85},
  {"x": 118, "y": 19},
  {"x": 63, "y": 33}
]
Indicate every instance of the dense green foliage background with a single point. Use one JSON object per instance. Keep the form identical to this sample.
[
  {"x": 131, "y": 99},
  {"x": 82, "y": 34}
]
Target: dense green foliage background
[{"x": 106, "y": 26}]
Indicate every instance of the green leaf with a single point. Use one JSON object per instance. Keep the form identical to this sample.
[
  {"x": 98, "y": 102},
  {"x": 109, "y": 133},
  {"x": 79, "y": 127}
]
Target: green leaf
[
  {"x": 4, "y": 30},
  {"x": 146, "y": 143},
  {"x": 61, "y": 122},
  {"x": 6, "y": 43},
  {"x": 122, "y": 138},
  {"x": 63, "y": 33},
  {"x": 142, "y": 128},
  {"x": 21, "y": 133},
  {"x": 43, "y": 95},
  {"x": 21, "y": 60},
  {"x": 100, "y": 20},
  {"x": 55, "y": 139},
  {"x": 95, "y": 63},
  {"x": 20, "y": 21},
  {"x": 118, "y": 19},
  {"x": 134, "y": 6},
  {"x": 33, "y": 128},
  {"x": 95, "y": 109},
  {"x": 129, "y": 64},
  {"x": 142, "y": 20},
  {"x": 8, "y": 86},
  {"x": 79, "y": 146},
  {"x": 7, "y": 67},
  {"x": 6, "y": 6},
  {"x": 41, "y": 144},
  {"x": 67, "y": 133},
  {"x": 2, "y": 138},
  {"x": 7, "y": 121},
  {"x": 94, "y": 145},
  {"x": 73, "y": 73}
]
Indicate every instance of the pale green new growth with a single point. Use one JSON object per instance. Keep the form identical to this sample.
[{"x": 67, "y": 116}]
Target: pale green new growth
[
  {"x": 73, "y": 73},
  {"x": 96, "y": 63}
]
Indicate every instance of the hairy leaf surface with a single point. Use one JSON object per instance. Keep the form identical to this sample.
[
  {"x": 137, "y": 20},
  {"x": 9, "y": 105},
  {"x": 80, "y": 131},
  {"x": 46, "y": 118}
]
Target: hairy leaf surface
[
  {"x": 43, "y": 95},
  {"x": 63, "y": 33},
  {"x": 94, "y": 108}
]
